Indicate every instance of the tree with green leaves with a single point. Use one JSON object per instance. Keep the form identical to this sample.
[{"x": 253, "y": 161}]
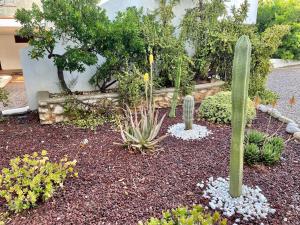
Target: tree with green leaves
[{"x": 78, "y": 23}]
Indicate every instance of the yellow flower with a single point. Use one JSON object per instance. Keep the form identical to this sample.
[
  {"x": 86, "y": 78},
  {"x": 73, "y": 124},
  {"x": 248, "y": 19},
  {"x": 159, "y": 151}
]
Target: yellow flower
[
  {"x": 146, "y": 77},
  {"x": 151, "y": 59}
]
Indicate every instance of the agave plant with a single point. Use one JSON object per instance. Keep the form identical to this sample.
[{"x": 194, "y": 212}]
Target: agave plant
[{"x": 140, "y": 130}]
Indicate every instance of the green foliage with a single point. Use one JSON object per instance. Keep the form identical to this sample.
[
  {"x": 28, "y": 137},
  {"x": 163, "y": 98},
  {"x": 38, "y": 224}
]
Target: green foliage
[
  {"x": 256, "y": 137},
  {"x": 33, "y": 178},
  {"x": 3, "y": 96},
  {"x": 132, "y": 36},
  {"x": 88, "y": 116},
  {"x": 185, "y": 216},
  {"x": 218, "y": 108},
  {"x": 251, "y": 154},
  {"x": 268, "y": 97},
  {"x": 80, "y": 24},
  {"x": 123, "y": 44},
  {"x": 188, "y": 111},
  {"x": 214, "y": 40},
  {"x": 261, "y": 148},
  {"x": 130, "y": 86},
  {"x": 282, "y": 12}
]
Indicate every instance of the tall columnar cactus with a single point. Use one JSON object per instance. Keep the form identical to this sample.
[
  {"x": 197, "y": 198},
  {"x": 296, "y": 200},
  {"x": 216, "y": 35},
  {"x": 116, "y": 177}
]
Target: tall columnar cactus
[
  {"x": 176, "y": 92},
  {"x": 188, "y": 111},
  {"x": 240, "y": 86}
]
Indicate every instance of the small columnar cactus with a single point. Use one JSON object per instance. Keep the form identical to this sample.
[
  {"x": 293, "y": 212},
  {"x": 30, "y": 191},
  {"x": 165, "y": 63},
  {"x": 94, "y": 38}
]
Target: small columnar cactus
[
  {"x": 176, "y": 92},
  {"x": 188, "y": 111},
  {"x": 240, "y": 86}
]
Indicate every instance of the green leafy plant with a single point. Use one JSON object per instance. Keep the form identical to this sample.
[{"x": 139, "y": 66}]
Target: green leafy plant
[
  {"x": 130, "y": 86},
  {"x": 3, "y": 96},
  {"x": 282, "y": 12},
  {"x": 185, "y": 216},
  {"x": 218, "y": 108},
  {"x": 33, "y": 178},
  {"x": 213, "y": 34},
  {"x": 88, "y": 115},
  {"x": 262, "y": 148},
  {"x": 80, "y": 24}
]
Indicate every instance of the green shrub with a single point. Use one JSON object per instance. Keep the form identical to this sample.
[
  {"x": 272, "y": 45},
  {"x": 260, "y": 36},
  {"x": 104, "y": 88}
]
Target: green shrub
[
  {"x": 268, "y": 97},
  {"x": 185, "y": 216},
  {"x": 255, "y": 137},
  {"x": 33, "y": 178},
  {"x": 218, "y": 108},
  {"x": 130, "y": 86},
  {"x": 251, "y": 154},
  {"x": 214, "y": 39},
  {"x": 88, "y": 116},
  {"x": 3, "y": 97},
  {"x": 282, "y": 12},
  {"x": 260, "y": 148}
]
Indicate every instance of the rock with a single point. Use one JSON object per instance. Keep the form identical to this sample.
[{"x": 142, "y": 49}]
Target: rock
[
  {"x": 275, "y": 113},
  {"x": 58, "y": 110},
  {"x": 263, "y": 108},
  {"x": 297, "y": 136},
  {"x": 286, "y": 120},
  {"x": 292, "y": 128}
]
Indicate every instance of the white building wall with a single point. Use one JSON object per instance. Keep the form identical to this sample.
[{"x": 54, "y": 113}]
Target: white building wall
[
  {"x": 10, "y": 52},
  {"x": 41, "y": 75}
]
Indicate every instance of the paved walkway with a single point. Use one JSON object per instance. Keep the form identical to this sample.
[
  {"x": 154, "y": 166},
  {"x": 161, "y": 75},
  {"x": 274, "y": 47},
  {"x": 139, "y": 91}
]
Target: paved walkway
[
  {"x": 286, "y": 82},
  {"x": 17, "y": 95}
]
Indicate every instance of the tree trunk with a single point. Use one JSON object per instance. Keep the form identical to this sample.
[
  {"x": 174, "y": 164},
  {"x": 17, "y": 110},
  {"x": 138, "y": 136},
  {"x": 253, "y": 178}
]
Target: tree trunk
[{"x": 60, "y": 74}]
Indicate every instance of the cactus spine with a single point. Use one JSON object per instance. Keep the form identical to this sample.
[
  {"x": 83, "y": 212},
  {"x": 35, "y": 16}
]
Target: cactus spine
[
  {"x": 176, "y": 92},
  {"x": 188, "y": 111},
  {"x": 240, "y": 86}
]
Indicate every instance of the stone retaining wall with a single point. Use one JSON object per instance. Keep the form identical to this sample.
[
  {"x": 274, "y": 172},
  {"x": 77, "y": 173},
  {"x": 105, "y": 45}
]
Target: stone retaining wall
[{"x": 51, "y": 109}]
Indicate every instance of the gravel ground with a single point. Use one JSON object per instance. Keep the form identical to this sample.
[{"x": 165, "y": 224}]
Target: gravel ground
[
  {"x": 116, "y": 187},
  {"x": 286, "y": 82}
]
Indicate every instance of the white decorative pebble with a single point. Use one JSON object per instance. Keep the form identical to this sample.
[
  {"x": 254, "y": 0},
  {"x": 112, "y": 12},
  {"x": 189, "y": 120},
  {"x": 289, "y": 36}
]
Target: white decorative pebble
[
  {"x": 198, "y": 132},
  {"x": 252, "y": 204}
]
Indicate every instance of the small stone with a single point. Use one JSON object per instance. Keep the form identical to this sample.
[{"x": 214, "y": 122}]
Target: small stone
[
  {"x": 285, "y": 219},
  {"x": 292, "y": 128},
  {"x": 297, "y": 136},
  {"x": 286, "y": 120},
  {"x": 263, "y": 108},
  {"x": 58, "y": 110}
]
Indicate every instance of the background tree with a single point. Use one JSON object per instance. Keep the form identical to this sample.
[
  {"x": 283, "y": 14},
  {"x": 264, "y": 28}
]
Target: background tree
[{"x": 78, "y": 23}]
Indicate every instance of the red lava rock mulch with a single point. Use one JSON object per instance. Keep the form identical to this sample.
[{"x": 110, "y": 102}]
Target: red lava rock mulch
[{"x": 116, "y": 187}]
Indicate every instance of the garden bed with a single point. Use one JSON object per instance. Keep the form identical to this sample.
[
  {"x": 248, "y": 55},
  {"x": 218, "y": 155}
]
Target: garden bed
[{"x": 117, "y": 187}]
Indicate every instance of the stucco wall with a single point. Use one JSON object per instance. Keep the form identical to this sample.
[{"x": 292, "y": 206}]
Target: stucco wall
[
  {"x": 41, "y": 75},
  {"x": 10, "y": 52}
]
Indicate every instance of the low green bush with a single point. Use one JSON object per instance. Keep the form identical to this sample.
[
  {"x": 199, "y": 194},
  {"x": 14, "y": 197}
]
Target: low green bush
[
  {"x": 282, "y": 12},
  {"x": 185, "y": 216},
  {"x": 260, "y": 148},
  {"x": 33, "y": 178},
  {"x": 268, "y": 97},
  {"x": 88, "y": 116},
  {"x": 3, "y": 97},
  {"x": 218, "y": 108}
]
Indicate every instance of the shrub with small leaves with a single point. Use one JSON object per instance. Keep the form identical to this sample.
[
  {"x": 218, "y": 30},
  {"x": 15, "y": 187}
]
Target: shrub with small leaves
[
  {"x": 261, "y": 148},
  {"x": 3, "y": 97},
  {"x": 185, "y": 216},
  {"x": 218, "y": 108},
  {"x": 33, "y": 178}
]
